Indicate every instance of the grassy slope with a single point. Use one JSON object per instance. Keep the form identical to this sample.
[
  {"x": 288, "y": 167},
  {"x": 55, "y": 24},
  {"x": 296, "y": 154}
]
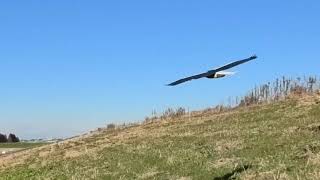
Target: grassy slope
[{"x": 276, "y": 141}]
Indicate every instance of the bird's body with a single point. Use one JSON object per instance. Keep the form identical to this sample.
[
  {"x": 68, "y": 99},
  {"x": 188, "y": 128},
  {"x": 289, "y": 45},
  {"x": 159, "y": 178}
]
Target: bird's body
[
  {"x": 220, "y": 74},
  {"x": 215, "y": 73}
]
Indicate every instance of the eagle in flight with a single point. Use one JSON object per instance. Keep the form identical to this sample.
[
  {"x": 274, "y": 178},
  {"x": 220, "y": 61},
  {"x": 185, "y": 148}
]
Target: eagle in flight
[{"x": 215, "y": 73}]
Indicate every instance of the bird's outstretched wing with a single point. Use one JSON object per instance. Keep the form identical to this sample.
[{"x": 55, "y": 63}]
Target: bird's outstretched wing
[
  {"x": 198, "y": 76},
  {"x": 233, "y": 64},
  {"x": 212, "y": 72}
]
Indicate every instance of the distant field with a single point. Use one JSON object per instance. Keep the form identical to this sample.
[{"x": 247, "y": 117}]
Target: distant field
[
  {"x": 21, "y": 145},
  {"x": 9, "y": 148}
]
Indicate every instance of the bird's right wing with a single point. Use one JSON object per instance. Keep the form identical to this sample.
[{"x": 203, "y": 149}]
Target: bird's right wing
[
  {"x": 233, "y": 64},
  {"x": 198, "y": 76}
]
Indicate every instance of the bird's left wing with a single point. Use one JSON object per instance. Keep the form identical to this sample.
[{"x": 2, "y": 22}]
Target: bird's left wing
[{"x": 198, "y": 76}]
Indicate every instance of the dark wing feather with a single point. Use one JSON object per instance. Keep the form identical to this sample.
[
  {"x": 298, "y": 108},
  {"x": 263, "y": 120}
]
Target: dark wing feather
[
  {"x": 198, "y": 76},
  {"x": 231, "y": 65}
]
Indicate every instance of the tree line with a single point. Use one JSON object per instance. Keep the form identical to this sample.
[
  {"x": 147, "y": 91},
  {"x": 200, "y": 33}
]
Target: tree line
[{"x": 11, "y": 138}]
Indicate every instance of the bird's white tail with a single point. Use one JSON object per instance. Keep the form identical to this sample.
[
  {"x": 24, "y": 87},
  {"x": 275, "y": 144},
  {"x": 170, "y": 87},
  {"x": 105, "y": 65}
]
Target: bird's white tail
[{"x": 226, "y": 73}]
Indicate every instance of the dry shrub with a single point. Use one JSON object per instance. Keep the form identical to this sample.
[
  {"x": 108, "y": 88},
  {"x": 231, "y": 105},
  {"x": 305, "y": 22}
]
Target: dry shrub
[
  {"x": 111, "y": 126},
  {"x": 280, "y": 89}
]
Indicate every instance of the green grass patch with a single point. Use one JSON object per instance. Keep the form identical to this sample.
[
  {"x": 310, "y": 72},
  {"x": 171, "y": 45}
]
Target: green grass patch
[{"x": 21, "y": 145}]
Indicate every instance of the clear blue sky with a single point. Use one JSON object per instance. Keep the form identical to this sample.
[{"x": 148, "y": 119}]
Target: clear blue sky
[{"x": 71, "y": 66}]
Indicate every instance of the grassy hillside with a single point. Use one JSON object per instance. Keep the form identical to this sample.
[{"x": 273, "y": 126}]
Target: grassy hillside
[{"x": 273, "y": 141}]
